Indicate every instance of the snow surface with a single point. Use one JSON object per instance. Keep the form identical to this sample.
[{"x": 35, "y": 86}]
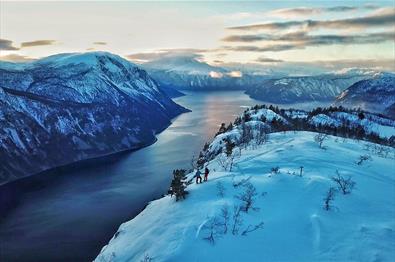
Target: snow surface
[{"x": 360, "y": 227}]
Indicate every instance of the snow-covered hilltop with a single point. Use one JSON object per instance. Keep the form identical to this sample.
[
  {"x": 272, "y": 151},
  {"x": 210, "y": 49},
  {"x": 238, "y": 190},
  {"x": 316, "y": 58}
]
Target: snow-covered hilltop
[
  {"x": 304, "y": 88},
  {"x": 282, "y": 196},
  {"x": 374, "y": 94},
  {"x": 70, "y": 107},
  {"x": 186, "y": 72}
]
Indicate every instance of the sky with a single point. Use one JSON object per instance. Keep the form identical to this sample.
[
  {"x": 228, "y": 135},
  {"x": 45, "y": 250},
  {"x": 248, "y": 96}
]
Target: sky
[{"x": 269, "y": 33}]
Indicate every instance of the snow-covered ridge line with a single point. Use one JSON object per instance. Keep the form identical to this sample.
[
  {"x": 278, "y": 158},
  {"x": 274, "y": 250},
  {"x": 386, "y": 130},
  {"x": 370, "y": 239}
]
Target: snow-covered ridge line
[
  {"x": 71, "y": 107},
  {"x": 259, "y": 121},
  {"x": 324, "y": 87}
]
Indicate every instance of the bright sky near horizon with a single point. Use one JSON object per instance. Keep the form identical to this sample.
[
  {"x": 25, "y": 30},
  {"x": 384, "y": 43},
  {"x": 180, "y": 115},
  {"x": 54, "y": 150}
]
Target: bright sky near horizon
[{"x": 265, "y": 32}]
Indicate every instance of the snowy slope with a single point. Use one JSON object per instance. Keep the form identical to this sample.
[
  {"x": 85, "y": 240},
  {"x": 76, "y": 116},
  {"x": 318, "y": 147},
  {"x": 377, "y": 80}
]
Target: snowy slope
[
  {"x": 70, "y": 107},
  {"x": 359, "y": 227},
  {"x": 303, "y": 88},
  {"x": 374, "y": 94}
]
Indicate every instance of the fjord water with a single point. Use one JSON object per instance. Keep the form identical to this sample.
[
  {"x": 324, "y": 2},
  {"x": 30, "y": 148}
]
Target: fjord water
[{"x": 70, "y": 213}]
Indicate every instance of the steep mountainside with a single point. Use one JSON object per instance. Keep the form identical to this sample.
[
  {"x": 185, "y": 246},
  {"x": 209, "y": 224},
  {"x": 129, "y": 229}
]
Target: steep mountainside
[
  {"x": 269, "y": 192},
  {"x": 303, "y": 89},
  {"x": 375, "y": 94},
  {"x": 70, "y": 107}
]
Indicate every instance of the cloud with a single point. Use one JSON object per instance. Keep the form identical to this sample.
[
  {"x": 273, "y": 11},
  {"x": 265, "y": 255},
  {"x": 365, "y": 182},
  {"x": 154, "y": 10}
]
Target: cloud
[
  {"x": 306, "y": 39},
  {"x": 7, "y": 45},
  {"x": 308, "y": 11},
  {"x": 264, "y": 59},
  {"x": 37, "y": 43},
  {"x": 383, "y": 17},
  {"x": 162, "y": 53},
  {"x": 244, "y": 38},
  {"x": 100, "y": 43},
  {"x": 294, "y": 12},
  {"x": 297, "y": 41},
  {"x": 16, "y": 58}
]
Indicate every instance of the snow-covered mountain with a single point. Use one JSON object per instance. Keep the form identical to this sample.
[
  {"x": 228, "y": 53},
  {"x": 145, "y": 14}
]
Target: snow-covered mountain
[
  {"x": 303, "y": 88},
  {"x": 186, "y": 72},
  {"x": 70, "y": 107},
  {"x": 274, "y": 197},
  {"x": 375, "y": 94}
]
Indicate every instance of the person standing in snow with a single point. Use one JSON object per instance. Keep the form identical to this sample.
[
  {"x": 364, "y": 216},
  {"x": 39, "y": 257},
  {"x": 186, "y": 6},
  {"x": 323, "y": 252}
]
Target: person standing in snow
[
  {"x": 206, "y": 171},
  {"x": 198, "y": 176}
]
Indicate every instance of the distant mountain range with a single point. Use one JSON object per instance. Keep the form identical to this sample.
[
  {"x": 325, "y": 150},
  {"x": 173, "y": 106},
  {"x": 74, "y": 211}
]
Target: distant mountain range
[
  {"x": 185, "y": 72},
  {"x": 70, "y": 107},
  {"x": 304, "y": 88},
  {"x": 375, "y": 94}
]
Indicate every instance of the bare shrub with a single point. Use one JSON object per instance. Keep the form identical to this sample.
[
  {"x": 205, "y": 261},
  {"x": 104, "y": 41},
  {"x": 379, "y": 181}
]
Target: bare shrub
[
  {"x": 247, "y": 197},
  {"x": 251, "y": 228},
  {"x": 329, "y": 197},
  {"x": 320, "y": 138},
  {"x": 345, "y": 184},
  {"x": 227, "y": 162},
  {"x": 212, "y": 230},
  {"x": 237, "y": 221},
  {"x": 275, "y": 170},
  {"x": 224, "y": 218}
]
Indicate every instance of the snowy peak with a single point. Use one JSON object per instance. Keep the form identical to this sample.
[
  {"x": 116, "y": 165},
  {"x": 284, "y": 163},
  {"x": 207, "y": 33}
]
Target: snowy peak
[
  {"x": 183, "y": 63},
  {"x": 80, "y": 77},
  {"x": 89, "y": 59}
]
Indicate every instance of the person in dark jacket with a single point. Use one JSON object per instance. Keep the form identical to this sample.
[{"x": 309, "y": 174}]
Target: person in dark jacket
[
  {"x": 206, "y": 171},
  {"x": 198, "y": 176}
]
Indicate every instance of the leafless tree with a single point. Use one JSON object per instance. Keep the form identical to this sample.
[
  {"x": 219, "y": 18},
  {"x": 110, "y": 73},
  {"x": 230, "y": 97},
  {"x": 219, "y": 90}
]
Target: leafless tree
[
  {"x": 251, "y": 228},
  {"x": 320, "y": 138},
  {"x": 211, "y": 227},
  {"x": 224, "y": 218},
  {"x": 227, "y": 162},
  {"x": 344, "y": 184},
  {"x": 263, "y": 135},
  {"x": 329, "y": 197},
  {"x": 237, "y": 220},
  {"x": 247, "y": 197},
  {"x": 246, "y": 135},
  {"x": 236, "y": 153},
  {"x": 222, "y": 160}
]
